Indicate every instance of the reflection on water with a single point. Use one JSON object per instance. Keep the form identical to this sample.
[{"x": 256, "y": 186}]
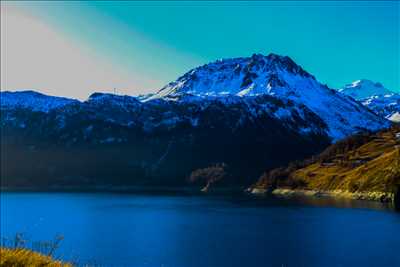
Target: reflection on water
[
  {"x": 327, "y": 202},
  {"x": 166, "y": 230}
]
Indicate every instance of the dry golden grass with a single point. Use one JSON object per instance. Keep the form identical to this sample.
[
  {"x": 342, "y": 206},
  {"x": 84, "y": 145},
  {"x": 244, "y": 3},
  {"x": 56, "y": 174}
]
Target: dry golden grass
[
  {"x": 374, "y": 166},
  {"x": 22, "y": 257}
]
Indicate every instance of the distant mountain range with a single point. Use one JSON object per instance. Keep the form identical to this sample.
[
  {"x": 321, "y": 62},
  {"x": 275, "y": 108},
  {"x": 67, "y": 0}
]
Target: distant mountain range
[
  {"x": 252, "y": 113},
  {"x": 376, "y": 97}
]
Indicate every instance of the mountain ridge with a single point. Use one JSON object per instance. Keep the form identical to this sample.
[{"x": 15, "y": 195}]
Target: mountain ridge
[
  {"x": 364, "y": 88},
  {"x": 161, "y": 139},
  {"x": 273, "y": 75},
  {"x": 376, "y": 97}
]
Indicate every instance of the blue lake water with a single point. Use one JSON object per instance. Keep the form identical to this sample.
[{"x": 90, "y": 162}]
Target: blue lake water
[{"x": 111, "y": 229}]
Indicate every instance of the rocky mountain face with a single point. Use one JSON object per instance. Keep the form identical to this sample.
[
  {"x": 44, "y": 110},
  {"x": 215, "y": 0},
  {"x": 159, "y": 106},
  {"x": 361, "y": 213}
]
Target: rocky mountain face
[
  {"x": 250, "y": 113},
  {"x": 376, "y": 97},
  {"x": 276, "y": 76}
]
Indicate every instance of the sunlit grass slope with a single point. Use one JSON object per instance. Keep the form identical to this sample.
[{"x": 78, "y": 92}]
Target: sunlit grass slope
[
  {"x": 22, "y": 257},
  {"x": 373, "y": 166},
  {"x": 364, "y": 166}
]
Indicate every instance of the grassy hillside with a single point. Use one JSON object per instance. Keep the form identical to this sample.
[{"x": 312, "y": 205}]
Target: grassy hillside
[
  {"x": 22, "y": 257},
  {"x": 364, "y": 163}
]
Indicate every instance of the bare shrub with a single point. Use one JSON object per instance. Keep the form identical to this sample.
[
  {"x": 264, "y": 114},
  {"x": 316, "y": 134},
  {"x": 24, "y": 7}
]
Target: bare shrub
[{"x": 210, "y": 174}]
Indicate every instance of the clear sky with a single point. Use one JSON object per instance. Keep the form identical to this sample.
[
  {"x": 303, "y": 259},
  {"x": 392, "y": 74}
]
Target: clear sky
[{"x": 75, "y": 48}]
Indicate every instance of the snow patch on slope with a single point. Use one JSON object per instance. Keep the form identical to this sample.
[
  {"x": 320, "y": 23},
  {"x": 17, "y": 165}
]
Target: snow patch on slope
[
  {"x": 33, "y": 100},
  {"x": 375, "y": 96},
  {"x": 280, "y": 77},
  {"x": 395, "y": 117},
  {"x": 364, "y": 88}
]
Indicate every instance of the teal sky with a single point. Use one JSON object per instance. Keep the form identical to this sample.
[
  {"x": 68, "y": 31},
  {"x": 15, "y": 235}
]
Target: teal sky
[{"x": 151, "y": 43}]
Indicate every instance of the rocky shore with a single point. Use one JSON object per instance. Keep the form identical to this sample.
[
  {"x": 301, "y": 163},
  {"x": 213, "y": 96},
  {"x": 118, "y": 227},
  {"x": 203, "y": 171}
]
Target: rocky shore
[{"x": 288, "y": 192}]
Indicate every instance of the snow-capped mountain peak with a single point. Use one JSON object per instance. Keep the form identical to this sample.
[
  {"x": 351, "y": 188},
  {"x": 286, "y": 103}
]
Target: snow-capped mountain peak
[
  {"x": 244, "y": 76},
  {"x": 277, "y": 76},
  {"x": 364, "y": 88},
  {"x": 255, "y": 83},
  {"x": 376, "y": 97}
]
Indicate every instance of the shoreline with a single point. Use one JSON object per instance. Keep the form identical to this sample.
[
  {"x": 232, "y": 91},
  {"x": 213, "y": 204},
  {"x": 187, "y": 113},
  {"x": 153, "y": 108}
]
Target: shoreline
[
  {"x": 382, "y": 197},
  {"x": 286, "y": 192},
  {"x": 338, "y": 194}
]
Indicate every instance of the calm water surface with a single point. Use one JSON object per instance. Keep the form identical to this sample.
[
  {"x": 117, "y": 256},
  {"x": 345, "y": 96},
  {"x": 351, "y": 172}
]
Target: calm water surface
[{"x": 185, "y": 231}]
